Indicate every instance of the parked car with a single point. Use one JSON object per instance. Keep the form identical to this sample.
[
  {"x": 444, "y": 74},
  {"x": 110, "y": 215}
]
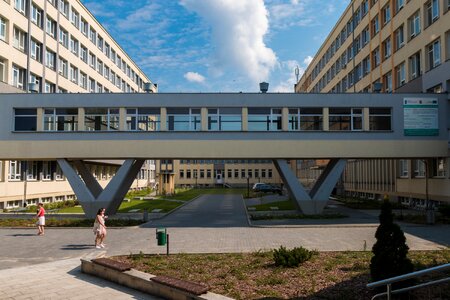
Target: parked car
[
  {"x": 256, "y": 185},
  {"x": 267, "y": 188}
]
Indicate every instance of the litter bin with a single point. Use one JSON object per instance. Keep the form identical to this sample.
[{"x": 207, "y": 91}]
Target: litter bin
[{"x": 161, "y": 236}]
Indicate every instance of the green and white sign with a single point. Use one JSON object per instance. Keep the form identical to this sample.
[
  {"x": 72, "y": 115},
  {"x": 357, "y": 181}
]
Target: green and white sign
[{"x": 420, "y": 117}]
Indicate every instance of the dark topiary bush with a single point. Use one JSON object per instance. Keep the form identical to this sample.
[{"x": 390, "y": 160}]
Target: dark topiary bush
[
  {"x": 390, "y": 251},
  {"x": 291, "y": 258}
]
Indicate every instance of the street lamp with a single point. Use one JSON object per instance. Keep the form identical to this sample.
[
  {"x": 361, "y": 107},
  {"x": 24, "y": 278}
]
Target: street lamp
[{"x": 248, "y": 187}]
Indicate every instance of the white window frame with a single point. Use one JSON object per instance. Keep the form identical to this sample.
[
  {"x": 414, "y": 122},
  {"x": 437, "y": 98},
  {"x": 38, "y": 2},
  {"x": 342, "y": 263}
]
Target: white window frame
[
  {"x": 18, "y": 77},
  {"x": 403, "y": 168},
  {"x": 20, "y": 38},
  {"x": 15, "y": 170},
  {"x": 20, "y": 5},
  {"x": 36, "y": 15},
  {"x": 434, "y": 51},
  {"x": 414, "y": 25},
  {"x": 3, "y": 28}
]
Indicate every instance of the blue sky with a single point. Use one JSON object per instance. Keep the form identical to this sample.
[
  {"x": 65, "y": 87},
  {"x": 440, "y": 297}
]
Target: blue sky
[{"x": 219, "y": 45}]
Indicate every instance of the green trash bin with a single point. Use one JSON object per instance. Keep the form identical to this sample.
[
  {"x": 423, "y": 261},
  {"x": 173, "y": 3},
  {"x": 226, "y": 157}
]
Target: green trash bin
[{"x": 161, "y": 236}]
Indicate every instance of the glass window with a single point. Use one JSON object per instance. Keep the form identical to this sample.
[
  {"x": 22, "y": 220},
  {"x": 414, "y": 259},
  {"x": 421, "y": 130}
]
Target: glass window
[
  {"x": 36, "y": 50},
  {"x": 434, "y": 54},
  {"x": 431, "y": 11},
  {"x": 439, "y": 167},
  {"x": 25, "y": 119},
  {"x": 386, "y": 14},
  {"x": 414, "y": 24},
  {"x": 419, "y": 168},
  {"x": 101, "y": 119},
  {"x": 401, "y": 74},
  {"x": 18, "y": 77},
  {"x": 224, "y": 119},
  {"x": 15, "y": 170},
  {"x": 3, "y": 29},
  {"x": 63, "y": 37},
  {"x": 399, "y": 38},
  {"x": 415, "y": 66},
  {"x": 19, "y": 39},
  {"x": 183, "y": 119},
  {"x": 36, "y": 15},
  {"x": 20, "y": 5},
  {"x": 60, "y": 119},
  {"x": 50, "y": 27},
  {"x": 404, "y": 171},
  {"x": 47, "y": 170},
  {"x": 345, "y": 119},
  {"x": 50, "y": 59},
  {"x": 380, "y": 119},
  {"x": 264, "y": 119},
  {"x": 311, "y": 118},
  {"x": 399, "y": 5},
  {"x": 143, "y": 119}
]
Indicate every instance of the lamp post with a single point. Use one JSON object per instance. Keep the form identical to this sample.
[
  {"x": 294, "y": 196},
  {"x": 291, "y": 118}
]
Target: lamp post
[
  {"x": 428, "y": 209},
  {"x": 248, "y": 187}
]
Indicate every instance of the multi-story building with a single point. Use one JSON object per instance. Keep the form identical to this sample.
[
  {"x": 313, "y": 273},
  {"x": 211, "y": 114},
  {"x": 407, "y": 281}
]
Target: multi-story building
[
  {"x": 51, "y": 46},
  {"x": 388, "y": 46}
]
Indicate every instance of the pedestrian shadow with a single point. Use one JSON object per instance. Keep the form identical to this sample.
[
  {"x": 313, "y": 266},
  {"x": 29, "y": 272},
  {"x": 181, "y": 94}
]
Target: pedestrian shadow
[
  {"x": 22, "y": 234},
  {"x": 78, "y": 247}
]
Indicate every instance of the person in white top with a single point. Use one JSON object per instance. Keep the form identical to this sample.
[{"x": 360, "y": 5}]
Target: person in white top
[{"x": 100, "y": 228}]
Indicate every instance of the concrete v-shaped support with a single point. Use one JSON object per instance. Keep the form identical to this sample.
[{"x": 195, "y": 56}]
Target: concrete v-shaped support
[
  {"x": 313, "y": 202},
  {"x": 89, "y": 192}
]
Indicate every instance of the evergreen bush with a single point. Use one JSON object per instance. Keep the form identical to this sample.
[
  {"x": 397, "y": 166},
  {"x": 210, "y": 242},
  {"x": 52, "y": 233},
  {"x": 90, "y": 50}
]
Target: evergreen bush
[
  {"x": 390, "y": 250},
  {"x": 291, "y": 258}
]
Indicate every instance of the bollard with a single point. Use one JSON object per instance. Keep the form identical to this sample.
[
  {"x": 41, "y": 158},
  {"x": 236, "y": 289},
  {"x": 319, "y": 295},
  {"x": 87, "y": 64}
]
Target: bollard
[{"x": 145, "y": 216}]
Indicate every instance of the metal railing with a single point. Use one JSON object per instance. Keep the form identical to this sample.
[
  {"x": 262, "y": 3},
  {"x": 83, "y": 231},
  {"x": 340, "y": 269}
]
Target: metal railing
[{"x": 388, "y": 282}]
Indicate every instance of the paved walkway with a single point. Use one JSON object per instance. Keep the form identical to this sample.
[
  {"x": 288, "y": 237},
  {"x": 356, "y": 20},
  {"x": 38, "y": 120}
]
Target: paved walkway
[{"x": 211, "y": 223}]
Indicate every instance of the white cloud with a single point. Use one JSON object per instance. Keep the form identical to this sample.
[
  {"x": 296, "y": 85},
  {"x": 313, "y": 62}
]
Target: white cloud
[
  {"x": 194, "y": 77},
  {"x": 238, "y": 28},
  {"x": 288, "y": 77},
  {"x": 308, "y": 60}
]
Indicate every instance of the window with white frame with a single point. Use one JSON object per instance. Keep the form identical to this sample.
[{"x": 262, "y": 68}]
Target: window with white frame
[
  {"x": 387, "y": 82},
  {"x": 50, "y": 87},
  {"x": 415, "y": 66},
  {"x": 63, "y": 37},
  {"x": 60, "y": 119},
  {"x": 91, "y": 85},
  {"x": 50, "y": 27},
  {"x": 225, "y": 119},
  {"x": 84, "y": 27},
  {"x": 434, "y": 54},
  {"x": 439, "y": 167},
  {"x": 375, "y": 26},
  {"x": 75, "y": 18},
  {"x": 100, "y": 67},
  {"x": 264, "y": 119},
  {"x": 101, "y": 119},
  {"x": 32, "y": 170},
  {"x": 100, "y": 42},
  {"x": 58, "y": 173},
  {"x": 399, "y": 4},
  {"x": 365, "y": 36},
  {"x": 3, "y": 29},
  {"x": 431, "y": 12},
  {"x": 63, "y": 67},
  {"x": 36, "y": 50},
  {"x": 341, "y": 118},
  {"x": 15, "y": 170},
  {"x": 387, "y": 48},
  {"x": 92, "y": 60},
  {"x": 99, "y": 88},
  {"x": 403, "y": 168},
  {"x": 83, "y": 80},
  {"x": 183, "y": 119},
  {"x": 84, "y": 54},
  {"x": 106, "y": 72},
  {"x": 36, "y": 15},
  {"x": 399, "y": 38},
  {"x": 386, "y": 14},
  {"x": 400, "y": 73},
  {"x": 2, "y": 70},
  {"x": 64, "y": 7},
  {"x": 376, "y": 57},
  {"x": 143, "y": 119},
  {"x": 74, "y": 45},
  {"x": 93, "y": 35},
  {"x": 50, "y": 59},
  {"x": 414, "y": 24},
  {"x": 20, "y": 5},
  {"x": 20, "y": 38},
  {"x": 74, "y": 74},
  {"x": 419, "y": 168},
  {"x": 18, "y": 77}
]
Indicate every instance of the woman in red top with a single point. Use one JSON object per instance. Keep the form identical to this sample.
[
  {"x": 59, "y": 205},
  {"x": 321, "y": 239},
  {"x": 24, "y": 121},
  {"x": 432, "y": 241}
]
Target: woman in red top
[{"x": 41, "y": 218}]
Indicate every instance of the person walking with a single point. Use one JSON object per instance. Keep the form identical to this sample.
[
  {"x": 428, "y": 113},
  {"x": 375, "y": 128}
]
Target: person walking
[
  {"x": 100, "y": 228},
  {"x": 40, "y": 215}
]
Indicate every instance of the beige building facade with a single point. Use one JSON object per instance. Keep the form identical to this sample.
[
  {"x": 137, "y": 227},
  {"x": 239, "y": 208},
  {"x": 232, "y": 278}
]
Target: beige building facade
[
  {"x": 57, "y": 46},
  {"x": 389, "y": 46}
]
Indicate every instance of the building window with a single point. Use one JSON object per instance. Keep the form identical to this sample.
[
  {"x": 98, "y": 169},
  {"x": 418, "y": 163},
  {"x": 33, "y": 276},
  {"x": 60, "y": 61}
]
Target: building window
[
  {"x": 60, "y": 119},
  {"x": 63, "y": 67},
  {"x": 419, "y": 168},
  {"x": 15, "y": 170},
  {"x": 379, "y": 118},
  {"x": 399, "y": 38},
  {"x": 364, "y": 7},
  {"x": 84, "y": 54},
  {"x": 403, "y": 168},
  {"x": 366, "y": 66},
  {"x": 63, "y": 37},
  {"x": 47, "y": 171},
  {"x": 376, "y": 57},
  {"x": 50, "y": 27},
  {"x": 31, "y": 170},
  {"x": 36, "y": 15},
  {"x": 181, "y": 174},
  {"x": 93, "y": 36},
  {"x": 74, "y": 46},
  {"x": 264, "y": 119},
  {"x": 75, "y": 18},
  {"x": 100, "y": 43},
  {"x": 50, "y": 87},
  {"x": 345, "y": 119},
  {"x": 414, "y": 66},
  {"x": 3, "y": 29},
  {"x": 431, "y": 12},
  {"x": 387, "y": 48},
  {"x": 365, "y": 36},
  {"x": 386, "y": 14},
  {"x": 375, "y": 25},
  {"x": 400, "y": 73},
  {"x": 50, "y": 59},
  {"x": 18, "y": 77},
  {"x": 224, "y": 119},
  {"x": 2, "y": 70},
  {"x": 143, "y": 119},
  {"x": 74, "y": 74},
  {"x": 91, "y": 85},
  {"x": 399, "y": 4},
  {"x": 183, "y": 119},
  {"x": 434, "y": 54},
  {"x": 20, "y": 5},
  {"x": 20, "y": 38},
  {"x": 100, "y": 67},
  {"x": 25, "y": 119},
  {"x": 92, "y": 60},
  {"x": 439, "y": 167},
  {"x": 101, "y": 119},
  {"x": 36, "y": 50},
  {"x": 64, "y": 7},
  {"x": 437, "y": 89},
  {"x": 387, "y": 81},
  {"x": 414, "y": 25},
  {"x": 83, "y": 80}
]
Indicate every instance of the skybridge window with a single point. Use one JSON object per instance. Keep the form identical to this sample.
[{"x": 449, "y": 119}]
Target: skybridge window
[
  {"x": 380, "y": 118},
  {"x": 143, "y": 119},
  {"x": 101, "y": 119},
  {"x": 225, "y": 119},
  {"x": 309, "y": 118},
  {"x": 61, "y": 119},
  {"x": 345, "y": 119},
  {"x": 264, "y": 119},
  {"x": 25, "y": 119},
  {"x": 183, "y": 119}
]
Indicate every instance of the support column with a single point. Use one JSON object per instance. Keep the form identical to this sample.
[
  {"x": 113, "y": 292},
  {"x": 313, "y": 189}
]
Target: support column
[
  {"x": 327, "y": 180},
  {"x": 91, "y": 196},
  {"x": 244, "y": 119},
  {"x": 163, "y": 119}
]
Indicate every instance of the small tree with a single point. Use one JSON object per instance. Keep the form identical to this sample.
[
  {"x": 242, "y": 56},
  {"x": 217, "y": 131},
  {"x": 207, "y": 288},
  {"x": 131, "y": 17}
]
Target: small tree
[{"x": 390, "y": 251}]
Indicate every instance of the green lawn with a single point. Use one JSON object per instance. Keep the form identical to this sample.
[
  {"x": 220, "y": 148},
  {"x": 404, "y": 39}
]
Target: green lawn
[{"x": 282, "y": 205}]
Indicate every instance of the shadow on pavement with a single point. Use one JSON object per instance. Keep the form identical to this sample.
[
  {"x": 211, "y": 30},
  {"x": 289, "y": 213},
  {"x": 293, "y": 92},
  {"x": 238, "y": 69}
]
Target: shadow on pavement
[
  {"x": 78, "y": 247},
  {"x": 22, "y": 234}
]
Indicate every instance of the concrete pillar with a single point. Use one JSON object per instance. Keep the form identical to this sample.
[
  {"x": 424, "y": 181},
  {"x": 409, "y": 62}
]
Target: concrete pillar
[
  {"x": 40, "y": 119},
  {"x": 204, "y": 116},
  {"x": 244, "y": 119},
  {"x": 326, "y": 118},
  {"x": 81, "y": 126},
  {"x": 122, "y": 119},
  {"x": 366, "y": 120},
  {"x": 163, "y": 119},
  {"x": 285, "y": 119}
]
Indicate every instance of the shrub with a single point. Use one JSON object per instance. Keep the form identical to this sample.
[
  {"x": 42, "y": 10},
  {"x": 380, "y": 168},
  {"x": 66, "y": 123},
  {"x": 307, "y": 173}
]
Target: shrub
[
  {"x": 390, "y": 250},
  {"x": 291, "y": 258}
]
